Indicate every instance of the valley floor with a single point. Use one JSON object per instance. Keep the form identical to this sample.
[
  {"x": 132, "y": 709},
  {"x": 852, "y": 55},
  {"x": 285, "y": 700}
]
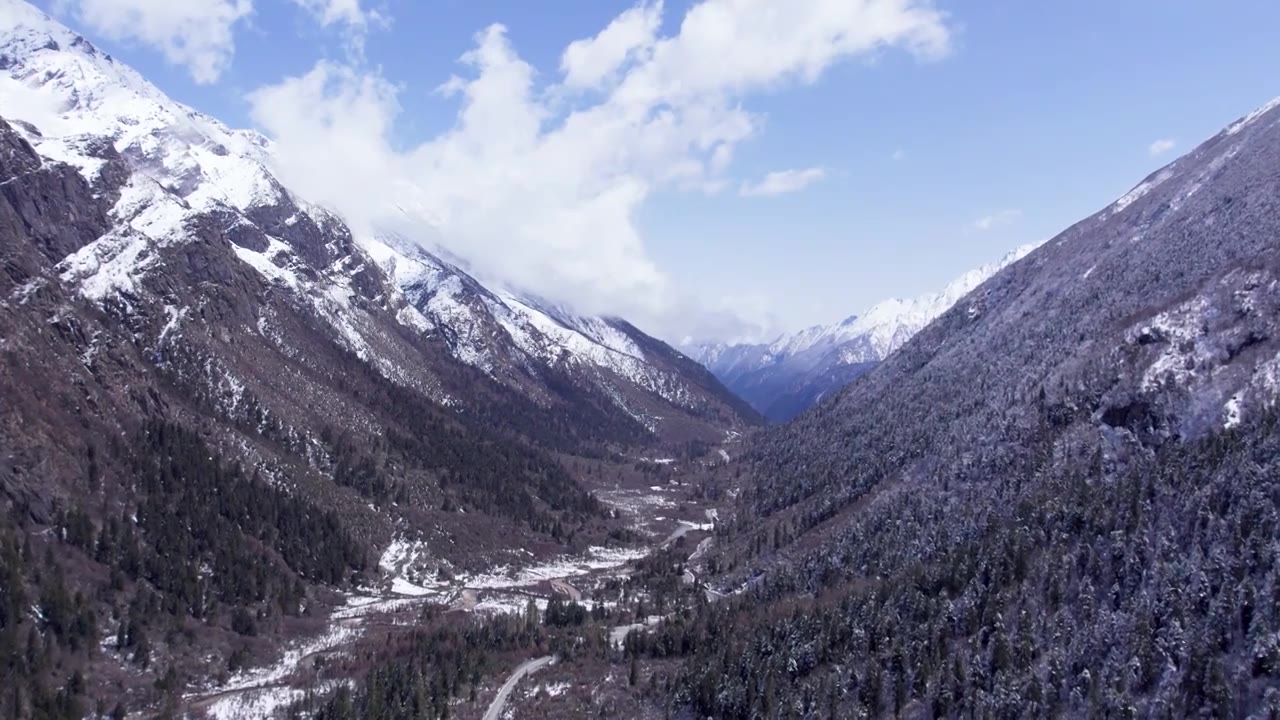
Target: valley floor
[{"x": 666, "y": 514}]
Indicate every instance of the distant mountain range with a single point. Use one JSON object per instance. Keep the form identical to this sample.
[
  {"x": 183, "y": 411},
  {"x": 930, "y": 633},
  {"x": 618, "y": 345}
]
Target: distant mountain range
[{"x": 787, "y": 376}]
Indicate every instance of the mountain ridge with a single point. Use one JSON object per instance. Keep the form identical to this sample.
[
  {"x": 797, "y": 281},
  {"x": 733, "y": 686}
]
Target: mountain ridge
[
  {"x": 1058, "y": 498},
  {"x": 782, "y": 378},
  {"x": 190, "y": 162}
]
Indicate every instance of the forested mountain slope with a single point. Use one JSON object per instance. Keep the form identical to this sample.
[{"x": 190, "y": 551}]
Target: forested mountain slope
[
  {"x": 219, "y": 409},
  {"x": 1060, "y": 498}
]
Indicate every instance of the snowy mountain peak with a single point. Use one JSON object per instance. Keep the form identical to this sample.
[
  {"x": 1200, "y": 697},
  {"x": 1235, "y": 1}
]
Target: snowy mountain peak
[
  {"x": 817, "y": 359},
  {"x": 889, "y": 323},
  {"x": 170, "y": 172},
  {"x": 60, "y": 83}
]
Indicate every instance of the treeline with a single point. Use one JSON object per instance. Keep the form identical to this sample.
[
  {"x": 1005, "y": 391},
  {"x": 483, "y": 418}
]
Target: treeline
[
  {"x": 481, "y": 459},
  {"x": 583, "y": 423},
  {"x": 492, "y": 456},
  {"x": 223, "y": 537},
  {"x": 45, "y": 628},
  {"x": 200, "y": 541}
]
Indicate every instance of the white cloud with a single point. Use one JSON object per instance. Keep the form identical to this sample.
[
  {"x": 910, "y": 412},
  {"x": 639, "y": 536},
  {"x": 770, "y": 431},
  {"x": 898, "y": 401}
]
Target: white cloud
[
  {"x": 1161, "y": 146},
  {"x": 589, "y": 63},
  {"x": 36, "y": 105},
  {"x": 539, "y": 186},
  {"x": 351, "y": 16},
  {"x": 332, "y": 12},
  {"x": 782, "y": 182},
  {"x": 1000, "y": 218},
  {"x": 347, "y": 114},
  {"x": 197, "y": 34}
]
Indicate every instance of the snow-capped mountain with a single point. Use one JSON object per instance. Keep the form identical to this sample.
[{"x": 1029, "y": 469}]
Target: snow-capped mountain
[
  {"x": 783, "y": 378},
  {"x": 169, "y": 171},
  {"x": 199, "y": 363}
]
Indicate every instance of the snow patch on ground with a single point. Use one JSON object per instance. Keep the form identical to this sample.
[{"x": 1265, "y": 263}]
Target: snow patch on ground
[
  {"x": 266, "y": 702},
  {"x": 1253, "y": 116},
  {"x": 595, "y": 559},
  {"x": 1232, "y": 412},
  {"x": 400, "y": 586},
  {"x": 108, "y": 265},
  {"x": 1178, "y": 329},
  {"x": 23, "y": 292},
  {"x": 637, "y": 502},
  {"x": 71, "y": 151},
  {"x": 554, "y": 689},
  {"x": 150, "y": 218},
  {"x": 1141, "y": 190},
  {"x": 408, "y": 565},
  {"x": 264, "y": 263},
  {"x": 508, "y": 604},
  {"x": 618, "y": 635},
  {"x": 1267, "y": 376},
  {"x": 412, "y": 318},
  {"x": 358, "y": 606},
  {"x": 401, "y": 554},
  {"x": 334, "y": 636},
  {"x": 176, "y": 315}
]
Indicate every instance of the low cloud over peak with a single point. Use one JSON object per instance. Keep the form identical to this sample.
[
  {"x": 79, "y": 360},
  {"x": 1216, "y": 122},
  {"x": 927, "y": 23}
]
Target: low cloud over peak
[{"x": 539, "y": 186}]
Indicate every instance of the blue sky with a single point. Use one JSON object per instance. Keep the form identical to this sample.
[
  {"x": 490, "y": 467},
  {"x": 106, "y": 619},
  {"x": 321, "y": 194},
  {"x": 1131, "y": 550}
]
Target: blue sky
[{"x": 927, "y": 162}]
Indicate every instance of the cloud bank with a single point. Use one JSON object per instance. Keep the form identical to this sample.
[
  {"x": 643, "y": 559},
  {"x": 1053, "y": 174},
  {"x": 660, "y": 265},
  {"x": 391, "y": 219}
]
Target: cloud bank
[
  {"x": 197, "y": 34},
  {"x": 337, "y": 12},
  {"x": 200, "y": 34},
  {"x": 538, "y": 185},
  {"x": 539, "y": 182}
]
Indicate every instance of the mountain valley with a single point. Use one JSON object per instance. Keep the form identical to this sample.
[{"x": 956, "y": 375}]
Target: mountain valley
[
  {"x": 233, "y": 414},
  {"x": 257, "y": 464}
]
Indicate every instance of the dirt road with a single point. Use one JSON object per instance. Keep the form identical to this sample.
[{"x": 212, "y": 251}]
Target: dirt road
[
  {"x": 565, "y": 588},
  {"x": 504, "y": 693}
]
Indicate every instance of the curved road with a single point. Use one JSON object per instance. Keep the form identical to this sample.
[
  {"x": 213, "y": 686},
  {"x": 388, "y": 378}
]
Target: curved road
[
  {"x": 684, "y": 529},
  {"x": 495, "y": 708},
  {"x": 561, "y": 586}
]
